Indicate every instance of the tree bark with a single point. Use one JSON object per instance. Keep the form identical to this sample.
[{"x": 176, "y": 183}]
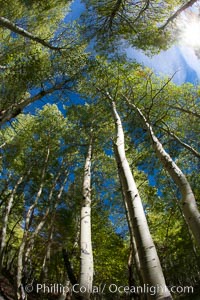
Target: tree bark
[
  {"x": 86, "y": 267},
  {"x": 177, "y": 13},
  {"x": 128, "y": 217},
  {"x": 185, "y": 145},
  {"x": 46, "y": 260},
  {"x": 19, "y": 30},
  {"x": 21, "y": 294},
  {"x": 47, "y": 256},
  {"x": 8, "y": 247},
  {"x": 5, "y": 220},
  {"x": 68, "y": 267},
  {"x": 44, "y": 218},
  {"x": 189, "y": 206},
  {"x": 150, "y": 265}
]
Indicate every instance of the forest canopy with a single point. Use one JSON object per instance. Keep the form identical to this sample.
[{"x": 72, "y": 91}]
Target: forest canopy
[{"x": 99, "y": 154}]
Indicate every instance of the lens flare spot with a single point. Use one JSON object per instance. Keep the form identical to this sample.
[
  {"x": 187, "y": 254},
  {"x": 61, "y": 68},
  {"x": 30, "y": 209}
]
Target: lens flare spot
[{"x": 191, "y": 34}]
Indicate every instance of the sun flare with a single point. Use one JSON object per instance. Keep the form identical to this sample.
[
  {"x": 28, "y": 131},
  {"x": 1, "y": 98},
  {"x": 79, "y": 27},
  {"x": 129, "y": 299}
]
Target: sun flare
[{"x": 191, "y": 34}]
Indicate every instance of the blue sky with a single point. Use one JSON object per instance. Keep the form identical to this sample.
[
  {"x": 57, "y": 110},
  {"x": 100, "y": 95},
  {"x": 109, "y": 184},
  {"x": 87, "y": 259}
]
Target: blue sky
[
  {"x": 76, "y": 9},
  {"x": 179, "y": 58}
]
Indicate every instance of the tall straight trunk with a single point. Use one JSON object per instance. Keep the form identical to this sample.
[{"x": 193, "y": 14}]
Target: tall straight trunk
[
  {"x": 44, "y": 218},
  {"x": 21, "y": 295},
  {"x": 8, "y": 247},
  {"x": 133, "y": 248},
  {"x": 5, "y": 220},
  {"x": 31, "y": 240},
  {"x": 86, "y": 266},
  {"x": 189, "y": 206},
  {"x": 151, "y": 270},
  {"x": 46, "y": 260},
  {"x": 47, "y": 256},
  {"x": 131, "y": 273}
]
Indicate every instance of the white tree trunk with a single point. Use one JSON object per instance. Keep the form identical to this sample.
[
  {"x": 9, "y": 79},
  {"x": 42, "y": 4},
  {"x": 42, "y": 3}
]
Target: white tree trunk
[
  {"x": 86, "y": 268},
  {"x": 128, "y": 217},
  {"x": 47, "y": 257},
  {"x": 150, "y": 265},
  {"x": 46, "y": 214},
  {"x": 20, "y": 289},
  {"x": 189, "y": 206},
  {"x": 5, "y": 220},
  {"x": 46, "y": 260}
]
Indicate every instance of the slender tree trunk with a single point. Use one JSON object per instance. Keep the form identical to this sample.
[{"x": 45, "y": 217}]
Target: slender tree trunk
[
  {"x": 10, "y": 265},
  {"x": 190, "y": 235},
  {"x": 189, "y": 206},
  {"x": 21, "y": 295},
  {"x": 131, "y": 273},
  {"x": 5, "y": 220},
  {"x": 68, "y": 267},
  {"x": 8, "y": 247},
  {"x": 47, "y": 257},
  {"x": 133, "y": 248},
  {"x": 86, "y": 267},
  {"x": 46, "y": 260},
  {"x": 29, "y": 245},
  {"x": 44, "y": 218},
  {"x": 150, "y": 265}
]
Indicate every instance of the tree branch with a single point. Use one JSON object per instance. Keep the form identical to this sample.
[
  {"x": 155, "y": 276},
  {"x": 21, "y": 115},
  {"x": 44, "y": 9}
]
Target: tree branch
[
  {"x": 19, "y": 30},
  {"x": 177, "y": 13},
  {"x": 114, "y": 12},
  {"x": 68, "y": 267},
  {"x": 185, "y": 145},
  {"x": 16, "y": 109},
  {"x": 195, "y": 114},
  {"x": 145, "y": 7}
]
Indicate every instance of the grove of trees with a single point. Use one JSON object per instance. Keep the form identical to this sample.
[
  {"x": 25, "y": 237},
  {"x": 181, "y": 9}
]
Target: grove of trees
[{"x": 99, "y": 156}]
